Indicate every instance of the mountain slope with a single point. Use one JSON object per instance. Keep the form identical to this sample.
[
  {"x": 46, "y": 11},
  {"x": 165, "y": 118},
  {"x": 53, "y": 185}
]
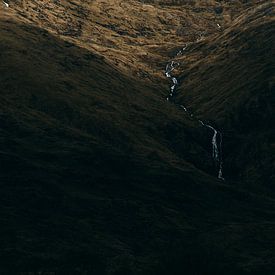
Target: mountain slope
[
  {"x": 133, "y": 35},
  {"x": 100, "y": 175},
  {"x": 232, "y": 85}
]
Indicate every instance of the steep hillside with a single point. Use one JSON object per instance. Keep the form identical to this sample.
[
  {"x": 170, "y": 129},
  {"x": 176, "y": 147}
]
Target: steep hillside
[
  {"x": 232, "y": 85},
  {"x": 133, "y": 35},
  {"x": 99, "y": 174}
]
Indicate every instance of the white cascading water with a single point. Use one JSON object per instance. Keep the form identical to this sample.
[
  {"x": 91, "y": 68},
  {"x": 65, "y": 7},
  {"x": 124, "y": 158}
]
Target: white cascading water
[
  {"x": 6, "y": 4},
  {"x": 216, "y": 149},
  {"x": 169, "y": 68}
]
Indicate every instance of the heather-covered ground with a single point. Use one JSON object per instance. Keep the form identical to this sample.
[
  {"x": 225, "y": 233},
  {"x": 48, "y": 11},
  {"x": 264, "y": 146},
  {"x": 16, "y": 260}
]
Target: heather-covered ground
[{"x": 99, "y": 174}]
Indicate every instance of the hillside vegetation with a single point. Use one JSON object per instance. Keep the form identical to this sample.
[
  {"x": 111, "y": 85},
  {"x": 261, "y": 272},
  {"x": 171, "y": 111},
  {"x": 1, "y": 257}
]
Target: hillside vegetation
[
  {"x": 232, "y": 85},
  {"x": 99, "y": 174}
]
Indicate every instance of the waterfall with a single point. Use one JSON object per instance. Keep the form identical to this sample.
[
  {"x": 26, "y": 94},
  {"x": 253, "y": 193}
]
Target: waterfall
[
  {"x": 6, "y": 4},
  {"x": 216, "y": 148}
]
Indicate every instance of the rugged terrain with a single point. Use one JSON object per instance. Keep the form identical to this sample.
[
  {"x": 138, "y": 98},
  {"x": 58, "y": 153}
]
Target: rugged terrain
[{"x": 100, "y": 174}]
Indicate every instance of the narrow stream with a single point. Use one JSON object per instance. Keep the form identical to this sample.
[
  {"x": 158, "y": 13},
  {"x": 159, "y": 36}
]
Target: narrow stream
[
  {"x": 216, "y": 146},
  {"x": 170, "y": 67},
  {"x": 6, "y": 4}
]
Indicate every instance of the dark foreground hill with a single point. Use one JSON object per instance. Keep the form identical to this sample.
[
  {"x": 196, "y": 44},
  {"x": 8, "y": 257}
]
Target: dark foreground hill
[{"x": 99, "y": 175}]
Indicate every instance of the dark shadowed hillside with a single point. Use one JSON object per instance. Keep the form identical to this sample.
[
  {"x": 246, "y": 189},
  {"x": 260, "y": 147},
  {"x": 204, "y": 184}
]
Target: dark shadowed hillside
[
  {"x": 233, "y": 85},
  {"x": 100, "y": 174}
]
